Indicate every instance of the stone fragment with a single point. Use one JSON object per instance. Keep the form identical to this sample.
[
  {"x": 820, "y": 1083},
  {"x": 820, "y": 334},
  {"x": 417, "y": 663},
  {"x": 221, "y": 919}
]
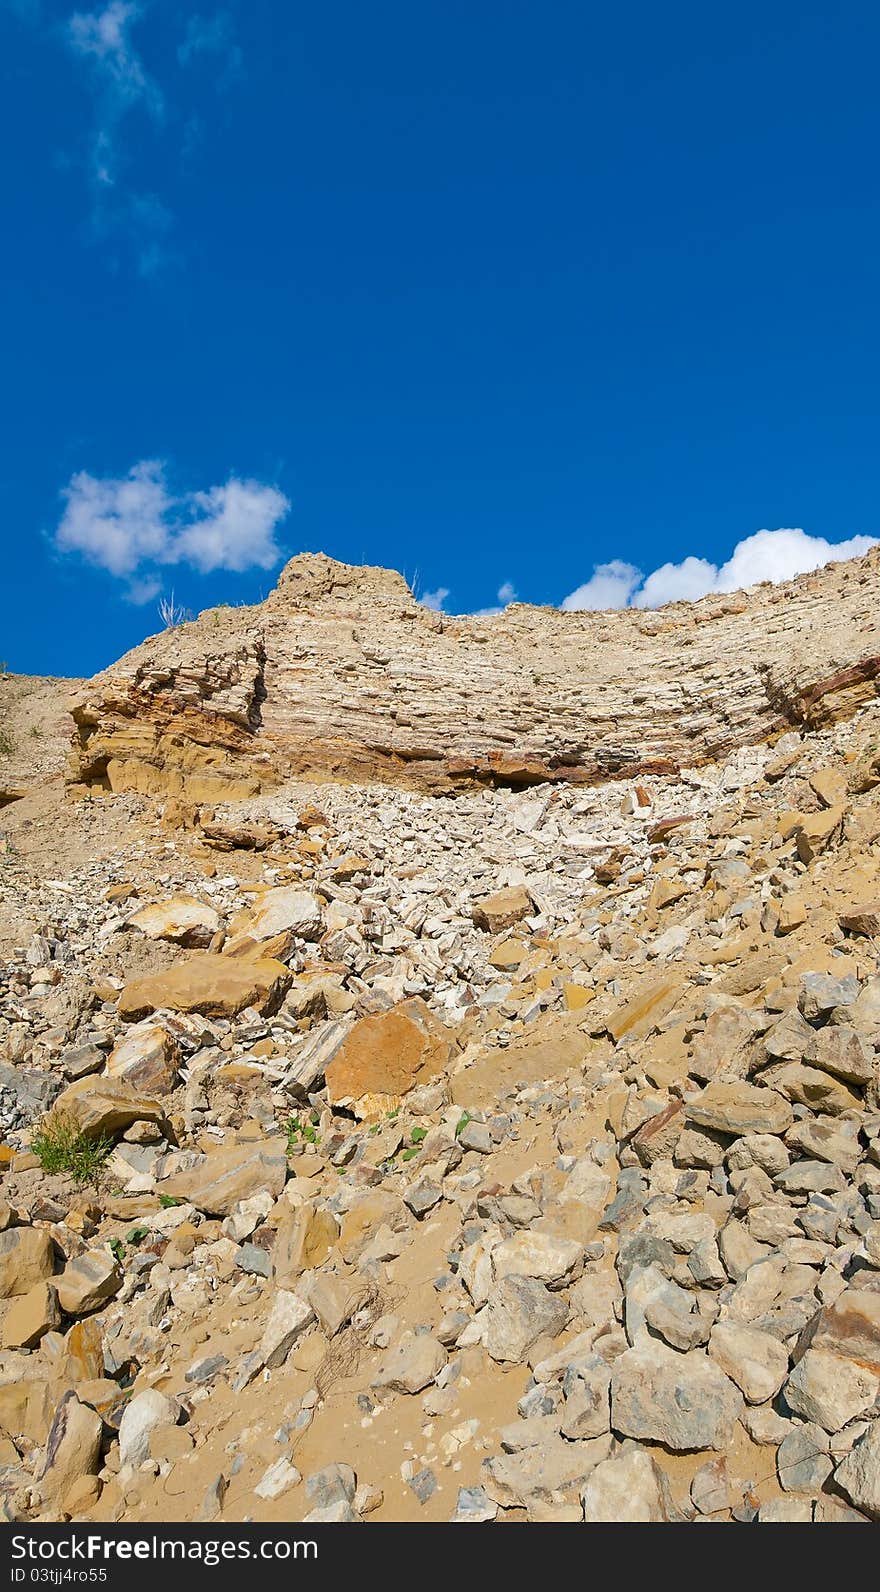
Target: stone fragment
[
  {"x": 88, "y": 1281},
  {"x": 288, "y": 1318},
  {"x": 629, "y": 1488},
  {"x": 413, "y": 1362},
  {"x": 146, "y": 1412},
  {"x": 147, "y": 1057},
  {"x": 521, "y": 1310},
  {"x": 830, "y": 1391},
  {"x": 755, "y": 1361},
  {"x": 183, "y": 919},
  {"x": 27, "y": 1257},
  {"x": 228, "y": 1176},
  {"x": 73, "y": 1450}
]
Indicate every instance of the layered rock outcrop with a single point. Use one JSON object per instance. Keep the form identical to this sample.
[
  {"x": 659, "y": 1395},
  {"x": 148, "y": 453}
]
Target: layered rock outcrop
[{"x": 341, "y": 673}]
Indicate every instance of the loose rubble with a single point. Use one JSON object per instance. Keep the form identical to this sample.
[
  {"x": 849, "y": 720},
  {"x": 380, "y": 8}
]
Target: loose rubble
[{"x": 514, "y": 1155}]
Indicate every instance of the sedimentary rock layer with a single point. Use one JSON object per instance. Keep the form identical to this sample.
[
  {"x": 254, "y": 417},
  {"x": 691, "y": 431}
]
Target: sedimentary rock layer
[{"x": 341, "y": 673}]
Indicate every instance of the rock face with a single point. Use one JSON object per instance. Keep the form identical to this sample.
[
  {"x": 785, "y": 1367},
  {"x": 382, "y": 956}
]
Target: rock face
[{"x": 342, "y": 672}]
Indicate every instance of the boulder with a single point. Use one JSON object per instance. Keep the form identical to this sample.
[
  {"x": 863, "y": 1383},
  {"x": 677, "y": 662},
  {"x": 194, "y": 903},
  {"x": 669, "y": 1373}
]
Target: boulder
[
  {"x": 227, "y": 1176},
  {"x": 385, "y": 1055},
  {"x": 27, "y": 1256},
  {"x": 214, "y": 986},
  {"x": 681, "y": 1400},
  {"x": 147, "y": 1058},
  {"x": 73, "y": 1450}
]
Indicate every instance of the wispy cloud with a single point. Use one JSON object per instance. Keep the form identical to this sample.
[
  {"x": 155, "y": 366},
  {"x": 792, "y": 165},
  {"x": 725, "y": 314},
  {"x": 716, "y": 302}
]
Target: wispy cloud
[
  {"x": 133, "y": 526},
  {"x": 212, "y": 36},
  {"x": 435, "y": 599},
  {"x": 105, "y": 42},
  {"x": 767, "y": 555}
]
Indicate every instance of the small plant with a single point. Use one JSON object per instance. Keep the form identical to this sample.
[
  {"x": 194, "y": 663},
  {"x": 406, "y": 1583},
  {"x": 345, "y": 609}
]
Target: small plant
[
  {"x": 60, "y": 1146},
  {"x": 7, "y": 744},
  {"x": 172, "y": 613},
  {"x": 462, "y": 1123},
  {"x": 418, "y": 1134},
  {"x": 407, "y": 1155},
  {"x": 118, "y": 1248},
  {"x": 36, "y": 732},
  {"x": 167, "y": 1201},
  {"x": 300, "y": 1133}
]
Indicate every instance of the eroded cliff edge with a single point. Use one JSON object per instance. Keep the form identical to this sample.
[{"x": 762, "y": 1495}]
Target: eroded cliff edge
[{"x": 342, "y": 674}]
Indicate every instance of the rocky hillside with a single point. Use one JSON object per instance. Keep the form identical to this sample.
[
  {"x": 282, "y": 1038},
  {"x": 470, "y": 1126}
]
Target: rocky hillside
[{"x": 405, "y": 1119}]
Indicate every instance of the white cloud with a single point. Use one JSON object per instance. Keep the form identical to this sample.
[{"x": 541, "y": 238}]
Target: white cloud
[
  {"x": 435, "y": 599},
  {"x": 611, "y": 586},
  {"x": 507, "y": 593},
  {"x": 766, "y": 555},
  {"x": 134, "y": 525}
]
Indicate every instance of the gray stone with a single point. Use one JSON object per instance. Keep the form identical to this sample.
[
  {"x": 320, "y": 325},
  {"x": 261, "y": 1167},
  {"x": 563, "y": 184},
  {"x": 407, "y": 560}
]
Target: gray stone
[
  {"x": 521, "y": 1310},
  {"x": 682, "y": 1400},
  {"x": 802, "y": 1462}
]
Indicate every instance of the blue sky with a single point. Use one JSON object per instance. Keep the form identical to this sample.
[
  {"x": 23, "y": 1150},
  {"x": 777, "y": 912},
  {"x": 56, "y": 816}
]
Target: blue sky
[{"x": 492, "y": 293}]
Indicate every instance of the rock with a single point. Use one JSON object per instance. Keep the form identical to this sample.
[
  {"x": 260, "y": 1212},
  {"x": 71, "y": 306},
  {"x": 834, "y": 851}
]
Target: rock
[
  {"x": 73, "y": 1450},
  {"x": 27, "y": 1257},
  {"x": 278, "y": 1479},
  {"x": 413, "y": 1362},
  {"x": 147, "y": 1058},
  {"x": 144, "y": 1415},
  {"x": 820, "y": 994},
  {"x": 628, "y": 1488},
  {"x": 288, "y": 1319},
  {"x": 282, "y": 911},
  {"x": 226, "y": 1177},
  {"x": 586, "y": 1412},
  {"x": 738, "y": 1108},
  {"x": 30, "y": 1317},
  {"x": 681, "y": 1400},
  {"x": 330, "y": 1485},
  {"x": 215, "y": 986},
  {"x": 519, "y": 1480},
  {"x": 830, "y": 1391},
  {"x": 303, "y": 1240},
  {"x": 755, "y": 1361},
  {"x": 474, "y": 1507},
  {"x": 521, "y": 1310},
  {"x": 540, "y": 1255},
  {"x": 333, "y": 1299},
  {"x": 858, "y": 1474},
  {"x": 384, "y": 1056},
  {"x": 32, "y": 1091},
  {"x": 100, "y": 1107},
  {"x": 802, "y": 1462},
  {"x": 862, "y": 918},
  {"x": 809, "y": 1086},
  {"x": 850, "y": 1328},
  {"x": 183, "y": 919},
  {"x": 501, "y": 910},
  {"x": 88, "y": 1281},
  {"x": 843, "y": 1053}
]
